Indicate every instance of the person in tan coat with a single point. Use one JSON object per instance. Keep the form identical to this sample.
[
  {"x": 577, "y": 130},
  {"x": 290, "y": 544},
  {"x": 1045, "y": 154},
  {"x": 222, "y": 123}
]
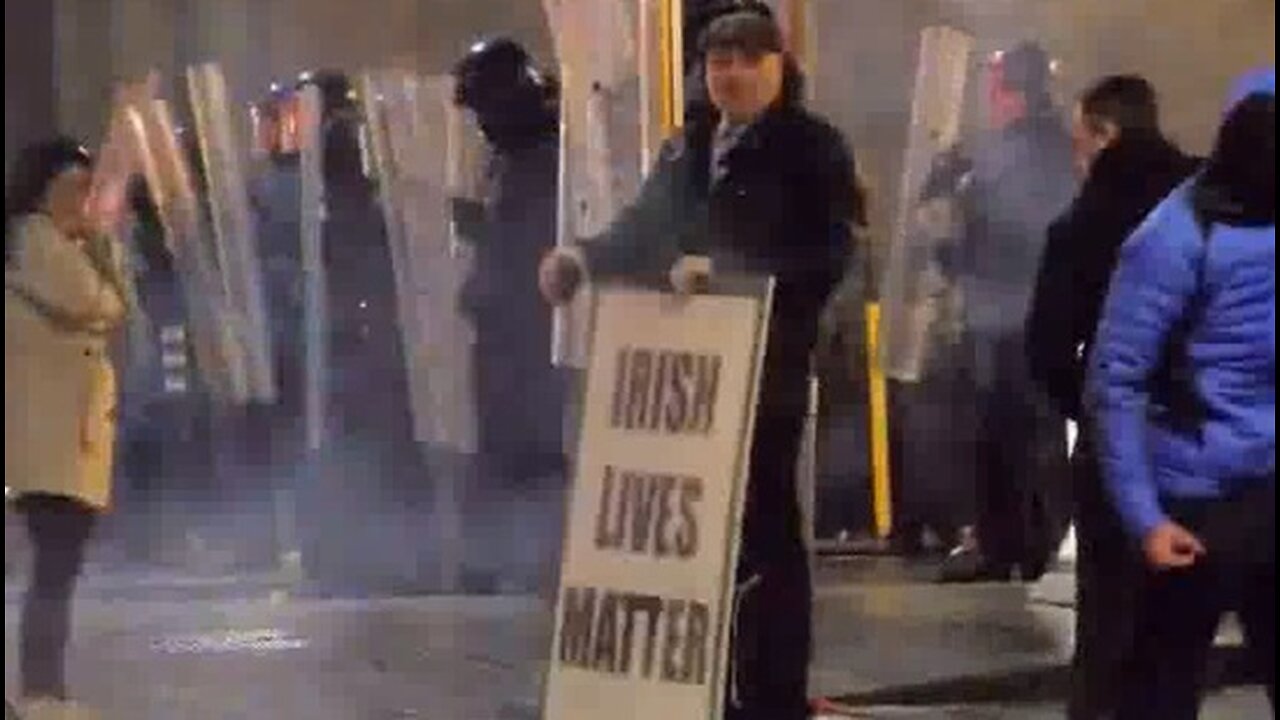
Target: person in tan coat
[{"x": 64, "y": 298}]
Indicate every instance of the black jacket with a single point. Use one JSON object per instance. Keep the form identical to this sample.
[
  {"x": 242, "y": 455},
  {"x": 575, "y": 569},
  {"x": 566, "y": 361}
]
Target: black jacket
[
  {"x": 519, "y": 395},
  {"x": 1127, "y": 180},
  {"x": 513, "y": 227},
  {"x": 786, "y": 207}
]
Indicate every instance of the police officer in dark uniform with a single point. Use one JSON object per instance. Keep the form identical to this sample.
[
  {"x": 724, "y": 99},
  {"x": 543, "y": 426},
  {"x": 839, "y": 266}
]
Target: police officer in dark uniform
[
  {"x": 931, "y": 436},
  {"x": 1020, "y": 178},
  {"x": 519, "y": 395},
  {"x": 371, "y": 460},
  {"x": 165, "y": 430},
  {"x": 276, "y": 194},
  {"x": 361, "y": 498},
  {"x": 760, "y": 186}
]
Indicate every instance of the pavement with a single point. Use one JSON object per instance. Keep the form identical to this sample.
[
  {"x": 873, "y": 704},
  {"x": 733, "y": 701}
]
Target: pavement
[{"x": 888, "y": 644}]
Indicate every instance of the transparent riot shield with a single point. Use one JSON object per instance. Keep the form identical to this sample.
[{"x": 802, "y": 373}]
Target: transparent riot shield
[
  {"x": 200, "y": 273},
  {"x": 234, "y": 234},
  {"x": 423, "y": 158},
  {"x": 123, "y": 154},
  {"x": 314, "y": 281},
  {"x": 467, "y": 157},
  {"x": 603, "y": 131},
  {"x": 917, "y": 298},
  {"x": 142, "y": 139},
  {"x": 120, "y": 158}
]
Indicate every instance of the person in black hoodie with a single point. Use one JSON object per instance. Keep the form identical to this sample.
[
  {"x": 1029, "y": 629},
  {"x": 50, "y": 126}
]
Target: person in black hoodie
[
  {"x": 1128, "y": 167},
  {"x": 760, "y": 186}
]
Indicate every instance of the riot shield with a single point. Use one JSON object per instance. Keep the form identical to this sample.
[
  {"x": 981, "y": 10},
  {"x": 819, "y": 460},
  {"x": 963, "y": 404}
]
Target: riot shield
[
  {"x": 123, "y": 154},
  {"x": 120, "y": 158},
  {"x": 200, "y": 273},
  {"x": 234, "y": 234},
  {"x": 602, "y": 132},
  {"x": 467, "y": 157},
  {"x": 314, "y": 281},
  {"x": 421, "y": 153},
  {"x": 142, "y": 139},
  {"x": 918, "y": 300}
]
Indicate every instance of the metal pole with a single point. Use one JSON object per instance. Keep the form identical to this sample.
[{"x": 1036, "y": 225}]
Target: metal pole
[{"x": 807, "y": 471}]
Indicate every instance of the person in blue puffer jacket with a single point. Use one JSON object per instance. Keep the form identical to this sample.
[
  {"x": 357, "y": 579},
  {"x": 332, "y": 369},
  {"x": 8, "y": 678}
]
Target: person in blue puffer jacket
[{"x": 1182, "y": 384}]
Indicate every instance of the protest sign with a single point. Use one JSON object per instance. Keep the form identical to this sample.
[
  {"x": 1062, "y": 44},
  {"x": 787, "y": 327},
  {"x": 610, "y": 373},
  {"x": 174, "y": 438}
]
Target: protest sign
[{"x": 646, "y": 589}]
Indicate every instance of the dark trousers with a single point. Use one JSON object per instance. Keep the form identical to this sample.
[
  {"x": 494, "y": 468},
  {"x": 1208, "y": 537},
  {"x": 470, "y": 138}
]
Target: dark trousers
[
  {"x": 1022, "y": 472},
  {"x": 514, "y": 497},
  {"x": 362, "y": 512},
  {"x": 1109, "y": 579},
  {"x": 1181, "y": 609},
  {"x": 514, "y": 526},
  {"x": 259, "y": 449},
  {"x": 771, "y": 639},
  {"x": 934, "y": 436},
  {"x": 59, "y": 527}
]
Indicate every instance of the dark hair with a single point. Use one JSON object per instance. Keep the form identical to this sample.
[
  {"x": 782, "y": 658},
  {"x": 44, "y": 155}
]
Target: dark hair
[
  {"x": 700, "y": 16},
  {"x": 748, "y": 28},
  {"x": 698, "y": 108},
  {"x": 1238, "y": 183},
  {"x": 1129, "y": 101},
  {"x": 35, "y": 167}
]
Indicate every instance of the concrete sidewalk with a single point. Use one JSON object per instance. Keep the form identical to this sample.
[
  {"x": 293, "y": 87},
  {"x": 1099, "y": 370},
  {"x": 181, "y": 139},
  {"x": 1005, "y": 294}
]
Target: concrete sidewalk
[{"x": 888, "y": 645}]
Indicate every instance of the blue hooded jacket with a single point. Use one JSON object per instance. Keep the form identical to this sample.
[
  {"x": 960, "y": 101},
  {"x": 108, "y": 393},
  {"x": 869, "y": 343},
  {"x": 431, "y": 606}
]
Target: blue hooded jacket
[{"x": 1217, "y": 293}]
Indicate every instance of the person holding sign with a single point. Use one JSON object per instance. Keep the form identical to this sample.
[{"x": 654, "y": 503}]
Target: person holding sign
[{"x": 754, "y": 185}]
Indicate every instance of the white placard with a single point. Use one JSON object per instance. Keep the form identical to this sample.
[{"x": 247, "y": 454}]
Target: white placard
[{"x": 647, "y": 576}]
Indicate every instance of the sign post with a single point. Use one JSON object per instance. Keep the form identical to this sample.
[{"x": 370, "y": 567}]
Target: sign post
[{"x": 645, "y": 604}]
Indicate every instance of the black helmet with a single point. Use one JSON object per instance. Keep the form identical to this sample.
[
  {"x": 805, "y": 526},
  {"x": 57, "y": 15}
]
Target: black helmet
[
  {"x": 336, "y": 91},
  {"x": 493, "y": 67},
  {"x": 513, "y": 103},
  {"x": 341, "y": 118}
]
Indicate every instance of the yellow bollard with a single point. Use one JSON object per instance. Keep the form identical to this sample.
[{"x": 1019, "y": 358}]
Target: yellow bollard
[
  {"x": 671, "y": 66},
  {"x": 878, "y": 407}
]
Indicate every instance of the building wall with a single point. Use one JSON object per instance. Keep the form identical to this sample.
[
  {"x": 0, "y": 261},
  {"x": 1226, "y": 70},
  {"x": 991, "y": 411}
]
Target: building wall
[
  {"x": 28, "y": 74},
  {"x": 96, "y": 43}
]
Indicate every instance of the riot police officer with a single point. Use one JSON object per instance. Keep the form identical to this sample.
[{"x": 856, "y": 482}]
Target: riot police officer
[
  {"x": 367, "y": 465},
  {"x": 519, "y": 395},
  {"x": 1019, "y": 177}
]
